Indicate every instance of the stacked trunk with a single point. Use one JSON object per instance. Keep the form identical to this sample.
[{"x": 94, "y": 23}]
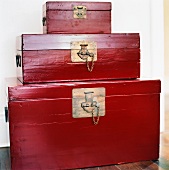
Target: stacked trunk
[{"x": 78, "y": 101}]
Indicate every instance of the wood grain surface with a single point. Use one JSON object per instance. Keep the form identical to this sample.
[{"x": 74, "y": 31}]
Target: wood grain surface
[
  {"x": 161, "y": 164},
  {"x": 47, "y": 58},
  {"x": 41, "y": 115},
  {"x": 59, "y": 18}
]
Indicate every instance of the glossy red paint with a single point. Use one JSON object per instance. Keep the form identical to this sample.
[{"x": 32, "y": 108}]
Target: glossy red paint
[
  {"x": 59, "y": 18},
  {"x": 47, "y": 58},
  {"x": 44, "y": 135}
]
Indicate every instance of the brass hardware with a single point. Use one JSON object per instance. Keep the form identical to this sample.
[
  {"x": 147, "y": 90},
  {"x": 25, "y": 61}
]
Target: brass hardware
[
  {"x": 84, "y": 51},
  {"x": 79, "y": 12},
  {"x": 84, "y": 54},
  {"x": 88, "y": 67},
  {"x": 89, "y": 102},
  {"x": 89, "y": 106}
]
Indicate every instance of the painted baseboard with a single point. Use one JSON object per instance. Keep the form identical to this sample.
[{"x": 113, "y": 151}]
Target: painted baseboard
[{"x": 4, "y": 145}]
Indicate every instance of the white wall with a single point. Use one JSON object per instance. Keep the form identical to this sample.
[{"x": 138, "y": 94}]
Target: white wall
[
  {"x": 157, "y": 49},
  {"x": 23, "y": 16},
  {"x": 166, "y": 45},
  {"x": 17, "y": 17},
  {"x": 145, "y": 17}
]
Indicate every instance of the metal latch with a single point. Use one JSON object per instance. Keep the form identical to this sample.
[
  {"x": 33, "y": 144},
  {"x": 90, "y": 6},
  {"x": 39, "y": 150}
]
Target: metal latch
[
  {"x": 79, "y": 12},
  {"x": 89, "y": 102},
  {"x": 84, "y": 51}
]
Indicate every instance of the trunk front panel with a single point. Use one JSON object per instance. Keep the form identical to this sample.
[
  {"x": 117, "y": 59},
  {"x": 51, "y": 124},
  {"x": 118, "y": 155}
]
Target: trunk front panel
[{"x": 43, "y": 131}]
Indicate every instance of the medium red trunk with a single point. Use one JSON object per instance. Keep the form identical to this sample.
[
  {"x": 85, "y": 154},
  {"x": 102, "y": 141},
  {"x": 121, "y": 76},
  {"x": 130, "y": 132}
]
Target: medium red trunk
[{"x": 47, "y": 58}]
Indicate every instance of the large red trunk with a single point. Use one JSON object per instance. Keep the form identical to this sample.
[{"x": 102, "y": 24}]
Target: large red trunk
[
  {"x": 44, "y": 135},
  {"x": 65, "y": 17},
  {"x": 48, "y": 57}
]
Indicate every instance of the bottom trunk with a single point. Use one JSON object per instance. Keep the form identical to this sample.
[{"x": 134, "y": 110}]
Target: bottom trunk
[{"x": 45, "y": 135}]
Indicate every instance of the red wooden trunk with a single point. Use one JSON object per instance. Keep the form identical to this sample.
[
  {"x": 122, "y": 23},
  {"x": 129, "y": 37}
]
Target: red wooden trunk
[
  {"x": 47, "y": 58},
  {"x": 44, "y": 135},
  {"x": 58, "y": 17}
]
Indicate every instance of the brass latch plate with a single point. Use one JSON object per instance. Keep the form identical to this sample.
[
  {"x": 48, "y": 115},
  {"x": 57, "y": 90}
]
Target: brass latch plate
[
  {"x": 80, "y": 50},
  {"x": 79, "y": 12},
  {"x": 88, "y": 101}
]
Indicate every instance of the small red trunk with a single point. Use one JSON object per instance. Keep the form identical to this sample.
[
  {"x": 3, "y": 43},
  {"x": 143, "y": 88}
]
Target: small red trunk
[
  {"x": 45, "y": 135},
  {"x": 77, "y": 17},
  {"x": 63, "y": 57}
]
